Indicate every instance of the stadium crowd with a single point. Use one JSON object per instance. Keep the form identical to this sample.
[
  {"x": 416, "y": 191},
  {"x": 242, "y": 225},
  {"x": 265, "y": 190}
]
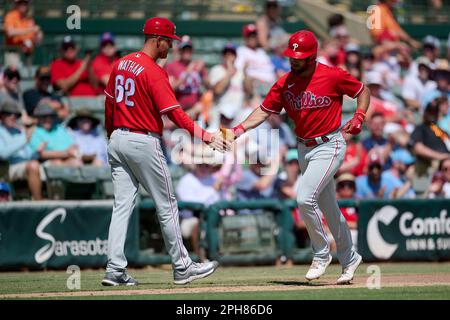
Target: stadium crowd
[{"x": 408, "y": 126}]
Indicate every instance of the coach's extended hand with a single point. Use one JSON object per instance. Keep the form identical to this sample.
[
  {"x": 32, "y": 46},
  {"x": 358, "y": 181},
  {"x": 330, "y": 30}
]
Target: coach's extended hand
[{"x": 219, "y": 143}]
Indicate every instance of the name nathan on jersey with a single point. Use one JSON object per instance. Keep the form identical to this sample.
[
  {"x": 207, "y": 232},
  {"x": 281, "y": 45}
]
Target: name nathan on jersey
[
  {"x": 130, "y": 66},
  {"x": 306, "y": 100}
]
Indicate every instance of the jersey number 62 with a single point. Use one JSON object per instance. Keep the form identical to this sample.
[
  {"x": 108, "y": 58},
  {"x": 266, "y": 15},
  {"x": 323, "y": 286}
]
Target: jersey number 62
[{"x": 125, "y": 88}]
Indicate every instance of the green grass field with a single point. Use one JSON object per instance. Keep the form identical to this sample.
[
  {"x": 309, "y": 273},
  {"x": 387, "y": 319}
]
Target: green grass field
[{"x": 398, "y": 281}]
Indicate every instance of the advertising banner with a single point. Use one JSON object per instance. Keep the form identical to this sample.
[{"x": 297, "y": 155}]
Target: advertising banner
[
  {"x": 416, "y": 230},
  {"x": 56, "y": 234}
]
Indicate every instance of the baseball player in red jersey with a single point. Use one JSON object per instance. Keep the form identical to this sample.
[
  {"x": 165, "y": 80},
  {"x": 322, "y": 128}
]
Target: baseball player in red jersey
[
  {"x": 312, "y": 96},
  {"x": 137, "y": 95}
]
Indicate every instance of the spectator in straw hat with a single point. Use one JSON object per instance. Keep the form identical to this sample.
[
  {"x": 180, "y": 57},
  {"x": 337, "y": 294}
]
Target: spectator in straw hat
[{"x": 88, "y": 138}]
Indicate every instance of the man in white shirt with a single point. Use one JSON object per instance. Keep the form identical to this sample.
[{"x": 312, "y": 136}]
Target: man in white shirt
[
  {"x": 227, "y": 83},
  {"x": 255, "y": 62},
  {"x": 415, "y": 86}
]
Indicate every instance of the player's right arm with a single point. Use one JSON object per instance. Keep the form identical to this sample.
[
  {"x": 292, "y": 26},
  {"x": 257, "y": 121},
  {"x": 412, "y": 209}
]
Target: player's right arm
[{"x": 271, "y": 104}]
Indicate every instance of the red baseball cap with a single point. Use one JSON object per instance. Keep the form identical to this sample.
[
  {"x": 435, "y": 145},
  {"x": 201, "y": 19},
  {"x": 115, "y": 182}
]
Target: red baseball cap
[
  {"x": 160, "y": 27},
  {"x": 302, "y": 45},
  {"x": 248, "y": 29}
]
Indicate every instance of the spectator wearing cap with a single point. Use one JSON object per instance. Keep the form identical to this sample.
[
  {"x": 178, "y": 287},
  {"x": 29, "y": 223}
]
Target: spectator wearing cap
[
  {"x": 10, "y": 89},
  {"x": 88, "y": 138},
  {"x": 15, "y": 149},
  {"x": 400, "y": 175},
  {"x": 41, "y": 94},
  {"x": 5, "y": 192},
  {"x": 428, "y": 141},
  {"x": 21, "y": 30},
  {"x": 440, "y": 183},
  {"x": 415, "y": 86},
  {"x": 373, "y": 185},
  {"x": 227, "y": 83},
  {"x": 69, "y": 74},
  {"x": 431, "y": 47},
  {"x": 255, "y": 63},
  {"x": 388, "y": 28},
  {"x": 269, "y": 26},
  {"x": 52, "y": 141},
  {"x": 103, "y": 62},
  {"x": 187, "y": 76}
]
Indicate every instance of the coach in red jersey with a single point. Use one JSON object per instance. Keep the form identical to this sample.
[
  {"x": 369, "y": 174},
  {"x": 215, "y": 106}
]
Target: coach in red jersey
[
  {"x": 311, "y": 94},
  {"x": 138, "y": 93}
]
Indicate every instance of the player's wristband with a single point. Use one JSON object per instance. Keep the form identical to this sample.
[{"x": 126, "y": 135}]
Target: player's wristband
[
  {"x": 361, "y": 112},
  {"x": 238, "y": 130}
]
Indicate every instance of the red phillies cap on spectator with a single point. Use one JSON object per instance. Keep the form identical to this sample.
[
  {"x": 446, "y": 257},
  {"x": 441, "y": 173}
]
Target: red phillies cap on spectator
[
  {"x": 160, "y": 27},
  {"x": 248, "y": 29},
  {"x": 302, "y": 45}
]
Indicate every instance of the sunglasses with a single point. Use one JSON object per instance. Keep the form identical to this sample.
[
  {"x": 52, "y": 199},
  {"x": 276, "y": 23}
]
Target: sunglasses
[
  {"x": 346, "y": 184},
  {"x": 9, "y": 114}
]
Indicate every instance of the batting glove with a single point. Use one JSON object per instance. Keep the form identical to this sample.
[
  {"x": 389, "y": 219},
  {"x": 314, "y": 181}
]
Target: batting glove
[{"x": 354, "y": 125}]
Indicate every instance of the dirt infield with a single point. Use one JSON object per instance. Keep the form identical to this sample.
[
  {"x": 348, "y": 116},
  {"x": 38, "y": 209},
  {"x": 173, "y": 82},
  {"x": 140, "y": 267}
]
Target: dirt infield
[{"x": 416, "y": 280}]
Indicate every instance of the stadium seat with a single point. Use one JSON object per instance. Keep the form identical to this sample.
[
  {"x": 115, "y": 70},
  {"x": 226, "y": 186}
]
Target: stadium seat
[
  {"x": 247, "y": 233},
  {"x": 102, "y": 176},
  {"x": 68, "y": 183}
]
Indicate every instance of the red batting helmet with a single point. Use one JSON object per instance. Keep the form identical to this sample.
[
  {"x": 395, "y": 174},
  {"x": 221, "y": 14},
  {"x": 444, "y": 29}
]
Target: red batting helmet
[
  {"x": 302, "y": 44},
  {"x": 160, "y": 27}
]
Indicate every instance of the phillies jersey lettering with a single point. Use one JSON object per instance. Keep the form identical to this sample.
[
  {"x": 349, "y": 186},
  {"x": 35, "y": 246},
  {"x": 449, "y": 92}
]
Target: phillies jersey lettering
[
  {"x": 314, "y": 103},
  {"x": 141, "y": 92},
  {"x": 306, "y": 100}
]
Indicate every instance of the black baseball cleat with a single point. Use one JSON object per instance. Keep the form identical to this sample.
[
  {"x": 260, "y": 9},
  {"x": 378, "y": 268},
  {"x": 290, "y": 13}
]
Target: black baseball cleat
[{"x": 122, "y": 279}]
